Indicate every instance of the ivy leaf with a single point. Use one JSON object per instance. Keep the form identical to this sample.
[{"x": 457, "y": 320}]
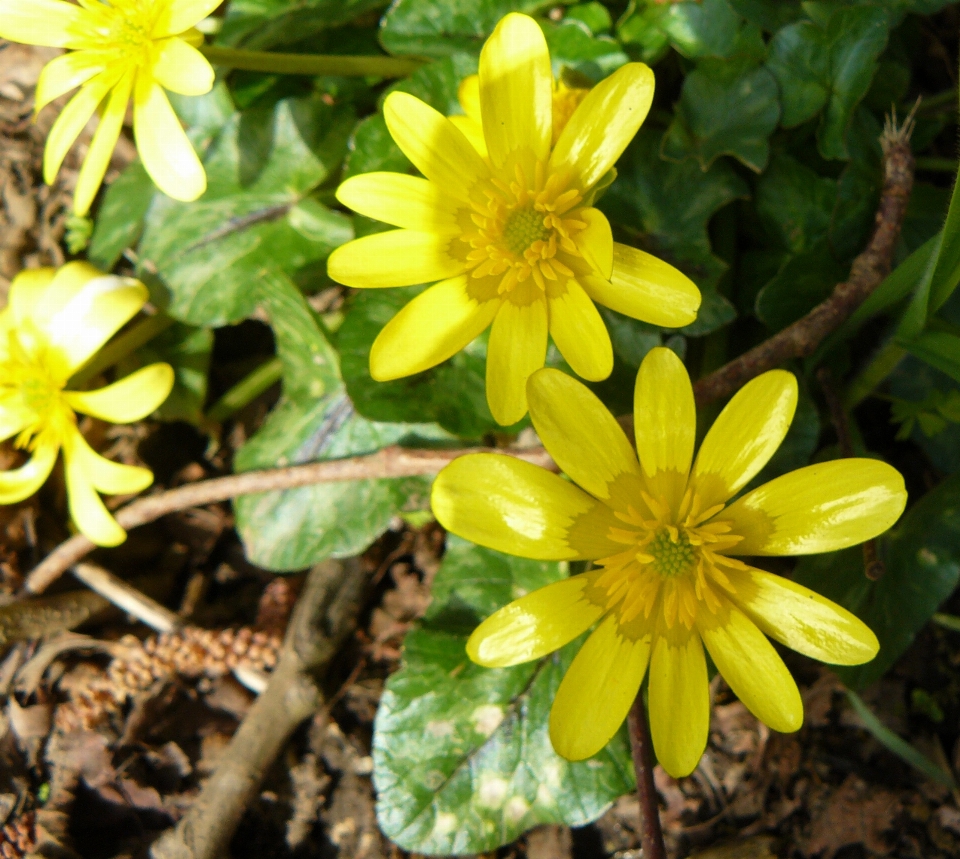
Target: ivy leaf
[
  {"x": 315, "y": 420},
  {"x": 725, "y": 108},
  {"x": 827, "y": 65},
  {"x": 256, "y": 216},
  {"x": 922, "y": 560},
  {"x": 462, "y": 754}
]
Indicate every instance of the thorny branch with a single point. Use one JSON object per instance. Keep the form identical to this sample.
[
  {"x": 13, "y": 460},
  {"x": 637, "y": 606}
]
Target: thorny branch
[
  {"x": 870, "y": 268},
  {"x": 323, "y": 618}
]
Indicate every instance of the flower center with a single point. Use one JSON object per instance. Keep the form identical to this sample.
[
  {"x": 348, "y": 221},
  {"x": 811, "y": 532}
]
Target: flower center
[
  {"x": 30, "y": 383},
  {"x": 523, "y": 228},
  {"x": 672, "y": 553},
  {"x": 128, "y": 28}
]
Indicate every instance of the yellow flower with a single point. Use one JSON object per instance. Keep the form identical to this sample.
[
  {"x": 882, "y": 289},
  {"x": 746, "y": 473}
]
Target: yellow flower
[
  {"x": 504, "y": 221},
  {"x": 55, "y": 321},
  {"x": 118, "y": 48},
  {"x": 663, "y": 537}
]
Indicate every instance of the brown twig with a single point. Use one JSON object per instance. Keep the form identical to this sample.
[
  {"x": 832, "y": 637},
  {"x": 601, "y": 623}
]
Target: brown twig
[
  {"x": 873, "y": 567},
  {"x": 641, "y": 748},
  {"x": 325, "y": 615},
  {"x": 389, "y": 462},
  {"x": 802, "y": 337}
]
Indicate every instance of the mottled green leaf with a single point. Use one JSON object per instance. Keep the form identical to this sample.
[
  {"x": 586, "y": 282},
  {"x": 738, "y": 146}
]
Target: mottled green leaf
[
  {"x": 120, "y": 216},
  {"x": 922, "y": 560},
  {"x": 462, "y": 755}
]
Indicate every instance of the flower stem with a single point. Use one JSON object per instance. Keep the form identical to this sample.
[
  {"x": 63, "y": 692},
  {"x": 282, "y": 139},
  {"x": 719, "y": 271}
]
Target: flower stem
[
  {"x": 247, "y": 389},
  {"x": 641, "y": 747},
  {"x": 310, "y": 64},
  {"x": 117, "y": 349}
]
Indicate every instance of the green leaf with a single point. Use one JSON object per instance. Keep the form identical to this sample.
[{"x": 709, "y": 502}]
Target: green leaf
[
  {"x": 262, "y": 24},
  {"x": 939, "y": 349},
  {"x": 828, "y": 65},
  {"x": 187, "y": 350},
  {"x": 315, "y": 420},
  {"x": 205, "y": 259},
  {"x": 462, "y": 754},
  {"x": 922, "y": 560},
  {"x": 794, "y": 203},
  {"x": 705, "y": 28},
  {"x": 725, "y": 108},
  {"x": 573, "y": 46},
  {"x": 641, "y": 32},
  {"x": 438, "y": 29},
  {"x": 769, "y": 15},
  {"x": 593, "y": 15},
  {"x": 452, "y": 394},
  {"x": 715, "y": 312},
  {"x": 858, "y": 188},
  {"x": 120, "y": 216}
]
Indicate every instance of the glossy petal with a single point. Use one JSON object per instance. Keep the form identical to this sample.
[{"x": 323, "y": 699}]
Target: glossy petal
[
  {"x": 596, "y": 692},
  {"x": 436, "y": 325},
  {"x": 468, "y": 94},
  {"x": 744, "y": 437},
  {"x": 86, "y": 509},
  {"x": 665, "y": 422},
  {"x": 521, "y": 509},
  {"x": 72, "y": 120},
  {"x": 473, "y": 131},
  {"x": 536, "y": 624},
  {"x": 579, "y": 332},
  {"x": 434, "y": 145},
  {"x": 752, "y": 668},
  {"x": 181, "y": 68},
  {"x": 644, "y": 287},
  {"x": 20, "y": 483},
  {"x": 580, "y": 434},
  {"x": 401, "y": 200},
  {"x": 92, "y": 315},
  {"x": 679, "y": 700},
  {"x": 820, "y": 508},
  {"x": 41, "y": 22},
  {"x": 516, "y": 92},
  {"x": 27, "y": 291},
  {"x": 179, "y": 15},
  {"x": 167, "y": 154},
  {"x": 113, "y": 478},
  {"x": 64, "y": 73},
  {"x": 132, "y": 398},
  {"x": 517, "y": 347},
  {"x": 604, "y": 123},
  {"x": 14, "y": 416},
  {"x": 803, "y": 620},
  {"x": 596, "y": 241},
  {"x": 394, "y": 258},
  {"x": 101, "y": 147}
]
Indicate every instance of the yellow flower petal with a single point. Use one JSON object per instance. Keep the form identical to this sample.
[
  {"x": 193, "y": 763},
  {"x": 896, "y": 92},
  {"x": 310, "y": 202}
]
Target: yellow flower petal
[
  {"x": 473, "y": 131},
  {"x": 27, "y": 291},
  {"x": 41, "y": 22},
  {"x": 468, "y": 94},
  {"x": 597, "y": 691},
  {"x": 604, "y": 123},
  {"x": 394, "y": 258},
  {"x": 20, "y": 483},
  {"x": 181, "y": 68},
  {"x": 179, "y": 15},
  {"x": 801, "y": 619},
  {"x": 535, "y": 624},
  {"x": 167, "y": 154},
  {"x": 72, "y": 120},
  {"x": 64, "y": 73},
  {"x": 90, "y": 316},
  {"x": 579, "y": 332},
  {"x": 101, "y": 147},
  {"x": 752, "y": 668},
  {"x": 665, "y": 422},
  {"x": 401, "y": 200},
  {"x": 644, "y": 287},
  {"x": 132, "y": 398},
  {"x": 434, "y": 145},
  {"x": 679, "y": 700},
  {"x": 112, "y": 478},
  {"x": 516, "y": 92},
  {"x": 521, "y": 509},
  {"x": 436, "y": 325},
  {"x": 517, "y": 347},
  {"x": 596, "y": 241},
  {"x": 744, "y": 437},
  {"x": 14, "y": 416},
  {"x": 820, "y": 508},
  {"x": 581, "y": 435},
  {"x": 86, "y": 509}
]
